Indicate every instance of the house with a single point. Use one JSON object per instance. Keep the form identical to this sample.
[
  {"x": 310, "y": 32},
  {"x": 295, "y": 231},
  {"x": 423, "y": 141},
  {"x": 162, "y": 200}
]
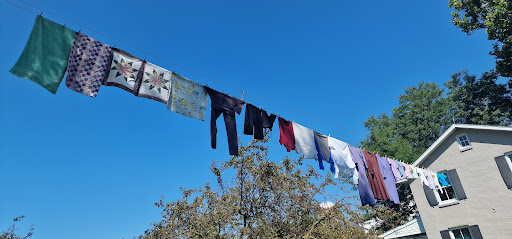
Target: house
[
  {"x": 411, "y": 230},
  {"x": 478, "y": 201}
]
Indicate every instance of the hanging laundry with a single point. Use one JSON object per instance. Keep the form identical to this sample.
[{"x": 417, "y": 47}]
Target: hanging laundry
[
  {"x": 88, "y": 64},
  {"x": 407, "y": 169},
  {"x": 125, "y": 71},
  {"x": 423, "y": 177},
  {"x": 365, "y": 191},
  {"x": 340, "y": 154},
  {"x": 324, "y": 154},
  {"x": 430, "y": 180},
  {"x": 228, "y": 106},
  {"x": 286, "y": 137},
  {"x": 305, "y": 141},
  {"x": 394, "y": 168},
  {"x": 401, "y": 169},
  {"x": 436, "y": 180},
  {"x": 156, "y": 83},
  {"x": 375, "y": 177},
  {"x": 187, "y": 98},
  {"x": 414, "y": 172},
  {"x": 389, "y": 179},
  {"x": 45, "y": 56},
  {"x": 256, "y": 120},
  {"x": 443, "y": 180}
]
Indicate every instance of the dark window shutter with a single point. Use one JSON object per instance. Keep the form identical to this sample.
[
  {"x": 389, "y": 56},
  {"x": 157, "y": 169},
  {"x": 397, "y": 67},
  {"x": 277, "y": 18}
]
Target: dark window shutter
[
  {"x": 475, "y": 232},
  {"x": 445, "y": 234},
  {"x": 456, "y": 184},
  {"x": 506, "y": 172},
  {"x": 431, "y": 196}
]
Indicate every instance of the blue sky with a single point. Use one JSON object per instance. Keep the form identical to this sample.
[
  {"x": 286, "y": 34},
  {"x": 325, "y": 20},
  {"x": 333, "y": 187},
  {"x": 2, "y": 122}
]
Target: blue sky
[{"x": 81, "y": 167}]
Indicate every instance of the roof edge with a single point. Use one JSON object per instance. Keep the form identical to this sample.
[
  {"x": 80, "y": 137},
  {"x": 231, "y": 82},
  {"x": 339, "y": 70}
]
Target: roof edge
[
  {"x": 394, "y": 230},
  {"x": 450, "y": 130}
]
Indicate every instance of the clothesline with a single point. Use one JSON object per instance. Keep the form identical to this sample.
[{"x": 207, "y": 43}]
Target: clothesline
[
  {"x": 177, "y": 65},
  {"x": 89, "y": 64}
]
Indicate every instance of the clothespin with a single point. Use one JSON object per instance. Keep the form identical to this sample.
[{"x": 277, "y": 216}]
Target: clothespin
[
  {"x": 41, "y": 14},
  {"x": 243, "y": 92},
  {"x": 79, "y": 30},
  {"x": 144, "y": 58},
  {"x": 64, "y": 24}
]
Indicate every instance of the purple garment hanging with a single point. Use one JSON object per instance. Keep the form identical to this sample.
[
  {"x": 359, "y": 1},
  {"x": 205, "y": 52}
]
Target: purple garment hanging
[
  {"x": 365, "y": 192},
  {"x": 394, "y": 168},
  {"x": 430, "y": 180},
  {"x": 389, "y": 178}
]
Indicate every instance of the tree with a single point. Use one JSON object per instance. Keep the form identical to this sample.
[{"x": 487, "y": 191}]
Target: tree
[
  {"x": 11, "y": 231},
  {"x": 420, "y": 118},
  {"x": 479, "y": 101},
  {"x": 262, "y": 199},
  {"x": 495, "y": 16}
]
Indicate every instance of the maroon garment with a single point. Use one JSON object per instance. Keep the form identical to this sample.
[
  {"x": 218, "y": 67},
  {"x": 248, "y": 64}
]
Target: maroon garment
[
  {"x": 286, "y": 131},
  {"x": 375, "y": 177}
]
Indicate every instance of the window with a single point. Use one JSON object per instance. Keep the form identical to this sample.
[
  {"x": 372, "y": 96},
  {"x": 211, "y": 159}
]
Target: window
[
  {"x": 450, "y": 193},
  {"x": 446, "y": 194},
  {"x": 464, "y": 232},
  {"x": 461, "y": 233},
  {"x": 463, "y": 141}
]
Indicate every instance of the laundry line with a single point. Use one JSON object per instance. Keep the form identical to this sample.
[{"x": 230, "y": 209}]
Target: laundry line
[{"x": 243, "y": 92}]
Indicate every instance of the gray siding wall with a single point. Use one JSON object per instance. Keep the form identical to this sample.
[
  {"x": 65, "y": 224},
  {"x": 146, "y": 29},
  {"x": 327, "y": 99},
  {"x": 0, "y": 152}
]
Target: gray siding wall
[{"x": 488, "y": 203}]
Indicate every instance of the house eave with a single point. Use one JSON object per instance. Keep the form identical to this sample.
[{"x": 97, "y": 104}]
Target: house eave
[{"x": 449, "y": 131}]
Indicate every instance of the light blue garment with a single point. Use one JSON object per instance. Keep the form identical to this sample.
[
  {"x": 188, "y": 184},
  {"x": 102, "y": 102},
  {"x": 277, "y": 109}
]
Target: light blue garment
[
  {"x": 443, "y": 180},
  {"x": 401, "y": 169}
]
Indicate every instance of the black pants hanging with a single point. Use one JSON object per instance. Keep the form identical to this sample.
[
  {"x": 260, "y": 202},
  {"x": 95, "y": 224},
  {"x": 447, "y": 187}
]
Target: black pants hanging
[
  {"x": 230, "y": 122},
  {"x": 255, "y": 120},
  {"x": 227, "y": 105}
]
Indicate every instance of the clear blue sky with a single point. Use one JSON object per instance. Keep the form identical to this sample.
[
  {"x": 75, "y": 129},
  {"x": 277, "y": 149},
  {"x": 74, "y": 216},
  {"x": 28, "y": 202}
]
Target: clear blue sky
[{"x": 80, "y": 167}]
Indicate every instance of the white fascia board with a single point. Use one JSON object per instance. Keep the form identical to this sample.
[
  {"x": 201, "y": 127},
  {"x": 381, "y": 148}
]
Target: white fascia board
[{"x": 450, "y": 130}]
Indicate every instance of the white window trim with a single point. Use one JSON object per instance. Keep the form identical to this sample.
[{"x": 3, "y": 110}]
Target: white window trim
[
  {"x": 468, "y": 147},
  {"x": 450, "y": 202}
]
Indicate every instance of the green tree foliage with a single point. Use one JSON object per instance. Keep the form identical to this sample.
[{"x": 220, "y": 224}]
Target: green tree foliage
[
  {"x": 11, "y": 232},
  {"x": 415, "y": 124},
  {"x": 479, "y": 101},
  {"x": 258, "y": 198},
  {"x": 495, "y": 16}
]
